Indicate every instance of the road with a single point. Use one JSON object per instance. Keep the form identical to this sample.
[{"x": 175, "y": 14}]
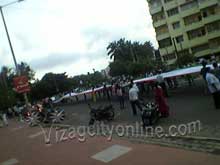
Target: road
[
  {"x": 187, "y": 104},
  {"x": 22, "y": 145}
]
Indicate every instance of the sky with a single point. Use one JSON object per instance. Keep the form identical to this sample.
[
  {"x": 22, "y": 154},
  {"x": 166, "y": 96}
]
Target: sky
[{"x": 71, "y": 35}]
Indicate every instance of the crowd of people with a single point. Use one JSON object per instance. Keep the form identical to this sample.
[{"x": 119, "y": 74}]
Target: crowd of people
[{"x": 123, "y": 87}]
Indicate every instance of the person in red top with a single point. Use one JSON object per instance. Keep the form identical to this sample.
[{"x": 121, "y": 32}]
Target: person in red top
[{"x": 161, "y": 101}]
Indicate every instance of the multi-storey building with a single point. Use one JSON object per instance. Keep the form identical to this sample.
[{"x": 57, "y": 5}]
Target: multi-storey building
[{"x": 186, "y": 27}]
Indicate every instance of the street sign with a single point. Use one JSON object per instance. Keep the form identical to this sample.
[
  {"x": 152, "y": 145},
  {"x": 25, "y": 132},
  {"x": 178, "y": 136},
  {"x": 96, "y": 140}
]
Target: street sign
[{"x": 21, "y": 84}]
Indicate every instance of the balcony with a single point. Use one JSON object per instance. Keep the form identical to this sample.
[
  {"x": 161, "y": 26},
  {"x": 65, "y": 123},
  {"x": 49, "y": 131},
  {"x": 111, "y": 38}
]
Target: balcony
[
  {"x": 189, "y": 12},
  {"x": 166, "y": 50},
  {"x": 203, "y": 53},
  {"x": 170, "y": 5},
  {"x": 211, "y": 18},
  {"x": 181, "y": 2},
  {"x": 183, "y": 45},
  {"x": 215, "y": 50},
  {"x": 163, "y": 36},
  {"x": 207, "y": 3},
  {"x": 213, "y": 34},
  {"x": 194, "y": 25},
  {"x": 170, "y": 62},
  {"x": 160, "y": 23},
  {"x": 154, "y": 9},
  {"x": 198, "y": 41}
]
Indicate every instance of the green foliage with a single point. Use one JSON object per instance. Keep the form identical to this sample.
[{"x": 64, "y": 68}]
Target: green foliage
[
  {"x": 26, "y": 70},
  {"x": 7, "y": 95},
  {"x": 118, "y": 68},
  {"x": 133, "y": 58},
  {"x": 123, "y": 50},
  {"x": 50, "y": 85}
]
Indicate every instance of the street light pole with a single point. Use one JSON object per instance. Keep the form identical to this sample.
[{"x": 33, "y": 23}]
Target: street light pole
[
  {"x": 9, "y": 41},
  {"x": 10, "y": 44}
]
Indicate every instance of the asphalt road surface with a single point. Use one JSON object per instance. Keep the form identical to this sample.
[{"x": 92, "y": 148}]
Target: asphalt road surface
[{"x": 22, "y": 145}]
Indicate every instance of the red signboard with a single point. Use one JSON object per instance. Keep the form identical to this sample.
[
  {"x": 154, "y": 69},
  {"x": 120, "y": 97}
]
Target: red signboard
[{"x": 21, "y": 84}]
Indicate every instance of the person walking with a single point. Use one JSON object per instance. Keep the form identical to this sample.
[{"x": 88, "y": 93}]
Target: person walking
[
  {"x": 133, "y": 97},
  {"x": 204, "y": 69},
  {"x": 161, "y": 101},
  {"x": 120, "y": 93},
  {"x": 216, "y": 70},
  {"x": 161, "y": 82},
  {"x": 214, "y": 87},
  {"x": 93, "y": 95}
]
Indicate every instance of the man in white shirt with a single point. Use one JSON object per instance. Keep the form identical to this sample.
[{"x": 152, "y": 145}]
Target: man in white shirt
[
  {"x": 133, "y": 97},
  {"x": 214, "y": 87}
]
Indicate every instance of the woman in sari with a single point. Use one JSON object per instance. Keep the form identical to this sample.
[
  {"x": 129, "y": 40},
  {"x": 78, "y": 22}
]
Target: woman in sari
[{"x": 161, "y": 101}]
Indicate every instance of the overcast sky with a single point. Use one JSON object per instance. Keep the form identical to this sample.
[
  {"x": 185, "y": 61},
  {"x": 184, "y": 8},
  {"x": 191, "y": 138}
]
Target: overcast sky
[{"x": 71, "y": 35}]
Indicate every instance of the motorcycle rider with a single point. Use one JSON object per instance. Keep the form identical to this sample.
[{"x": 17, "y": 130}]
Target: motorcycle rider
[{"x": 47, "y": 107}]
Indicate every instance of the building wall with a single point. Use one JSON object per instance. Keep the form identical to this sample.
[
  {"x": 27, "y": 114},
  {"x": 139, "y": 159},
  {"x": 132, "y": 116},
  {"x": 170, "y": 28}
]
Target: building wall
[{"x": 186, "y": 26}]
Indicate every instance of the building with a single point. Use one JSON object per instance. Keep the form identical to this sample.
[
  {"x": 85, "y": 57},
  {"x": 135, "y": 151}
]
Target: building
[{"x": 186, "y": 27}]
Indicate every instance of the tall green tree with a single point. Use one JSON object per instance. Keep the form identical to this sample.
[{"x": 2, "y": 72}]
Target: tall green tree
[
  {"x": 130, "y": 57},
  {"x": 7, "y": 95}
]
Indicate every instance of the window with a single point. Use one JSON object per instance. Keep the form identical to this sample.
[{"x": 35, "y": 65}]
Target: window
[
  {"x": 196, "y": 33},
  {"x": 214, "y": 43},
  {"x": 158, "y": 16},
  {"x": 172, "y": 12},
  {"x": 179, "y": 39},
  {"x": 215, "y": 26},
  {"x": 189, "y": 5},
  {"x": 161, "y": 29},
  {"x": 209, "y": 11},
  {"x": 192, "y": 19},
  {"x": 200, "y": 48},
  {"x": 165, "y": 43},
  {"x": 176, "y": 25},
  {"x": 169, "y": 57}
]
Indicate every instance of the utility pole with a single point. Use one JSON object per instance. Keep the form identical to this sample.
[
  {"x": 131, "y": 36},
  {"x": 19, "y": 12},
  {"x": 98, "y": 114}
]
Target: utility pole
[{"x": 9, "y": 41}]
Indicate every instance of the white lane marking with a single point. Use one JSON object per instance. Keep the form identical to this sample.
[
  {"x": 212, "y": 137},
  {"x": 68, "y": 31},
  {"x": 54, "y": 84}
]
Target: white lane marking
[
  {"x": 10, "y": 162},
  {"x": 111, "y": 153},
  {"x": 36, "y": 134}
]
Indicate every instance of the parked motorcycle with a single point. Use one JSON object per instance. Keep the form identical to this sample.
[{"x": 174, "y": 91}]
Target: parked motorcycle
[
  {"x": 40, "y": 115},
  {"x": 150, "y": 114},
  {"x": 102, "y": 113}
]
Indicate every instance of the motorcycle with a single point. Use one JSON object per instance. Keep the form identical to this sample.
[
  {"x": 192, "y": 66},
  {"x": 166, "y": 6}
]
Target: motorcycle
[
  {"x": 150, "y": 114},
  {"x": 102, "y": 113},
  {"x": 40, "y": 115}
]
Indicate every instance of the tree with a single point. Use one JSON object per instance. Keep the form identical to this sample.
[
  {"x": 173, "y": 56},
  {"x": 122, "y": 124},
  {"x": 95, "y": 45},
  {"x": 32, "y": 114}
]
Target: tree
[
  {"x": 130, "y": 57},
  {"x": 7, "y": 96},
  {"x": 119, "y": 50},
  {"x": 26, "y": 70},
  {"x": 50, "y": 84},
  {"x": 118, "y": 68}
]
